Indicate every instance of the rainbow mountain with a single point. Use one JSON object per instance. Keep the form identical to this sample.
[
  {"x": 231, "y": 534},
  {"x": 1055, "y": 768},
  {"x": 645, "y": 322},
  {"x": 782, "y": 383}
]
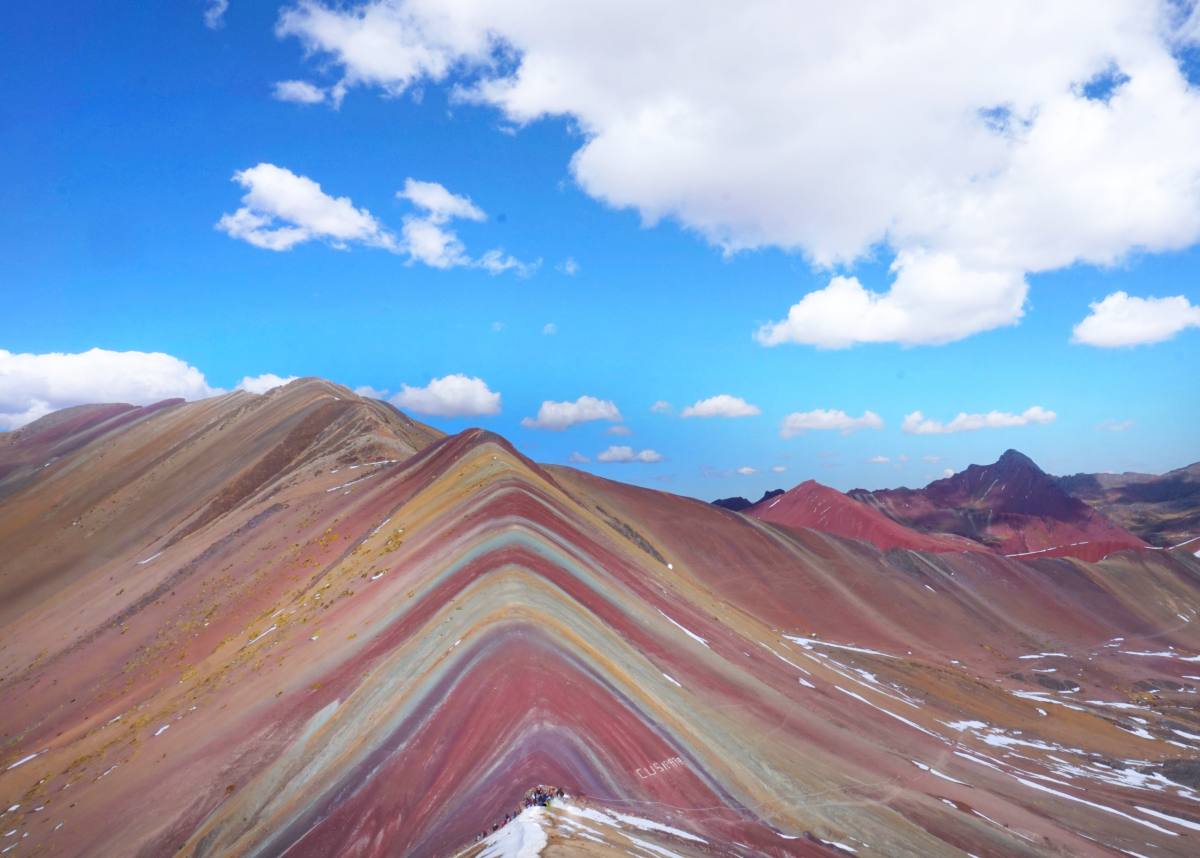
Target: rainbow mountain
[{"x": 302, "y": 623}]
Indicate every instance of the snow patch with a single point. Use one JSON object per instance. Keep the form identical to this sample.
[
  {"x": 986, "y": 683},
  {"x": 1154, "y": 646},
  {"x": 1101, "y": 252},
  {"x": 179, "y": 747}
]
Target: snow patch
[
  {"x": 686, "y": 631},
  {"x": 263, "y": 635},
  {"x": 809, "y": 643},
  {"x": 521, "y": 838},
  {"x": 1186, "y": 823}
]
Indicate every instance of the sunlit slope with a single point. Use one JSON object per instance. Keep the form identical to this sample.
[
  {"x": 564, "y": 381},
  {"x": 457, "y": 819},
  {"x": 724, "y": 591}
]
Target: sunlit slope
[
  {"x": 141, "y": 479},
  {"x": 379, "y": 656}
]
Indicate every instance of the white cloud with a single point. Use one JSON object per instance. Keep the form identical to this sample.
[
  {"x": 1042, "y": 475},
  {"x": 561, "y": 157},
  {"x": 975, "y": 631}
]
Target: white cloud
[
  {"x": 578, "y": 458},
  {"x": 369, "y": 392},
  {"x": 281, "y": 210},
  {"x": 1115, "y": 425},
  {"x": 557, "y": 416},
  {"x": 1125, "y": 320},
  {"x": 569, "y": 266},
  {"x": 497, "y": 262},
  {"x": 549, "y": 329},
  {"x": 827, "y": 419},
  {"x": 778, "y": 469},
  {"x": 746, "y": 470},
  {"x": 426, "y": 237},
  {"x": 620, "y": 429},
  {"x": 998, "y": 162},
  {"x": 948, "y": 472},
  {"x": 298, "y": 92},
  {"x": 661, "y": 407},
  {"x": 879, "y": 460},
  {"x": 33, "y": 385},
  {"x": 497, "y": 327},
  {"x": 918, "y": 424},
  {"x": 721, "y": 405},
  {"x": 933, "y": 460},
  {"x": 932, "y": 300},
  {"x": 449, "y": 396},
  {"x": 431, "y": 244},
  {"x": 440, "y": 205},
  {"x": 627, "y": 454},
  {"x": 263, "y": 383},
  {"x": 214, "y": 14},
  {"x": 429, "y": 240}
]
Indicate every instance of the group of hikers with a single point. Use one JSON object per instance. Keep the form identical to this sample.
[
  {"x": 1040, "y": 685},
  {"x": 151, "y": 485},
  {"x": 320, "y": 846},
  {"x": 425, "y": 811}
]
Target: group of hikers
[{"x": 538, "y": 796}]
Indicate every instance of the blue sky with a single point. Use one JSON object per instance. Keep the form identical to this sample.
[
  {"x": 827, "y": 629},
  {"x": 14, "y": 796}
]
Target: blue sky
[{"x": 125, "y": 123}]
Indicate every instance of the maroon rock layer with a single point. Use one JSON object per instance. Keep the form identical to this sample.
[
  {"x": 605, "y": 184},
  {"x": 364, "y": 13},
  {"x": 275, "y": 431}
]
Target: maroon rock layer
[{"x": 1011, "y": 506}]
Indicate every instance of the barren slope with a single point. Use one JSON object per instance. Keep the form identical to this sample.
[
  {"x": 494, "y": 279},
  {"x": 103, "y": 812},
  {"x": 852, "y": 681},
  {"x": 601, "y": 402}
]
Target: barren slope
[
  {"x": 819, "y": 507},
  {"x": 1162, "y": 509}
]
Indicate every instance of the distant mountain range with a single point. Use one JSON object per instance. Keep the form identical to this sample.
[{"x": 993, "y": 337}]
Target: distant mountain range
[
  {"x": 1162, "y": 509},
  {"x": 737, "y": 504},
  {"x": 1011, "y": 507},
  {"x": 819, "y": 507}
]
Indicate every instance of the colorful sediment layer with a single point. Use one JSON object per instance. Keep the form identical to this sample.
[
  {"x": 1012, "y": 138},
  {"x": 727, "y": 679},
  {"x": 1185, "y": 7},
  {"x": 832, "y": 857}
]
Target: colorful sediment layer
[{"x": 301, "y": 623}]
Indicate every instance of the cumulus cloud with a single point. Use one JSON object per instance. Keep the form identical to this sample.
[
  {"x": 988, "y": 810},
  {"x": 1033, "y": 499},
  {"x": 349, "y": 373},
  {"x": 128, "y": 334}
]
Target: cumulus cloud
[
  {"x": 497, "y": 262},
  {"x": 281, "y": 210},
  {"x": 454, "y": 395},
  {"x": 569, "y": 267},
  {"x": 948, "y": 472},
  {"x": 879, "y": 460},
  {"x": 620, "y": 429},
  {"x": 827, "y": 419},
  {"x": 721, "y": 405},
  {"x": 746, "y": 470},
  {"x": 298, "y": 92},
  {"x": 34, "y": 385},
  {"x": 778, "y": 469},
  {"x": 932, "y": 459},
  {"x": 1055, "y": 134},
  {"x": 627, "y": 454},
  {"x": 428, "y": 238},
  {"x": 557, "y": 416},
  {"x": 440, "y": 205},
  {"x": 917, "y": 423},
  {"x": 578, "y": 458},
  {"x": 1115, "y": 425},
  {"x": 263, "y": 383},
  {"x": 1125, "y": 320},
  {"x": 932, "y": 300},
  {"x": 368, "y": 392},
  {"x": 661, "y": 407},
  {"x": 214, "y": 14}
]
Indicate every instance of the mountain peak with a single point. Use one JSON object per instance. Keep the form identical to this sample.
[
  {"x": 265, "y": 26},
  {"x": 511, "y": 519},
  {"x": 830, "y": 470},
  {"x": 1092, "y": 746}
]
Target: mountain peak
[{"x": 1011, "y": 459}]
